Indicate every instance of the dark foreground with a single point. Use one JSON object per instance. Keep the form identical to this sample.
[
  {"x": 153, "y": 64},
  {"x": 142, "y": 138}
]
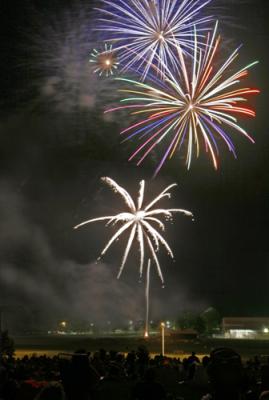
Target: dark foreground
[
  {"x": 125, "y": 368},
  {"x": 105, "y": 375}
]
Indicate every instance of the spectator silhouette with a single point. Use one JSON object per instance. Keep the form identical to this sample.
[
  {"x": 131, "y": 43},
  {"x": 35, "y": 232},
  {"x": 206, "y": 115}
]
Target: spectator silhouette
[
  {"x": 130, "y": 364},
  {"x": 264, "y": 395},
  {"x": 193, "y": 358},
  {"x": 142, "y": 360},
  {"x": 148, "y": 388},
  {"x": 225, "y": 374},
  {"x": 8, "y": 387},
  {"x": 79, "y": 377},
  {"x": 53, "y": 391},
  {"x": 192, "y": 361},
  {"x": 114, "y": 386},
  {"x": 265, "y": 377},
  {"x": 200, "y": 378}
]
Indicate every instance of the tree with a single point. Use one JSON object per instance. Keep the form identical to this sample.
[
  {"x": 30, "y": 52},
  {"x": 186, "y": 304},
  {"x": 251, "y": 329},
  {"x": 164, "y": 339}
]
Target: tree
[
  {"x": 7, "y": 347},
  {"x": 190, "y": 320},
  {"x": 199, "y": 325},
  {"x": 186, "y": 320},
  {"x": 212, "y": 319}
]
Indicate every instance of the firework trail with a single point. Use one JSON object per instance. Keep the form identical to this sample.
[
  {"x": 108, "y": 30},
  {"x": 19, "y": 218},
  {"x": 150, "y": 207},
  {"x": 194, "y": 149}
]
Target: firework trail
[
  {"x": 143, "y": 222},
  {"x": 146, "y": 334},
  {"x": 189, "y": 107},
  {"x": 144, "y": 31}
]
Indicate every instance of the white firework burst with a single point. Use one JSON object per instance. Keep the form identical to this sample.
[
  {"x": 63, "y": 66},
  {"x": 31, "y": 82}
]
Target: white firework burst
[{"x": 142, "y": 222}]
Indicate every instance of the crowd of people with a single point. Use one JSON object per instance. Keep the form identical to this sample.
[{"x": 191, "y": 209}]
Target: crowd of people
[{"x": 111, "y": 375}]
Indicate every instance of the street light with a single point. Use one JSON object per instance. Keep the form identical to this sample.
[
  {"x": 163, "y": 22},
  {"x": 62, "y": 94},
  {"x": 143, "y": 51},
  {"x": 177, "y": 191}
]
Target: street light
[
  {"x": 63, "y": 324},
  {"x": 162, "y": 332}
]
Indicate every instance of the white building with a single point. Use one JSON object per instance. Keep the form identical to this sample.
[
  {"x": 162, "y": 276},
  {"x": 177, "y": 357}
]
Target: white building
[{"x": 245, "y": 327}]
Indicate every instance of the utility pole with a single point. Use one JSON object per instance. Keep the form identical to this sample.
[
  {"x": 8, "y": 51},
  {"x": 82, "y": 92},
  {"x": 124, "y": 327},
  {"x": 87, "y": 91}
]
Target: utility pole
[{"x": 162, "y": 332}]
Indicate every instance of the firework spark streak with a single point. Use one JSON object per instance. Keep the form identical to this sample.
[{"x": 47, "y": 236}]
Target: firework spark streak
[
  {"x": 104, "y": 62},
  {"x": 142, "y": 222},
  {"x": 144, "y": 31},
  {"x": 190, "y": 107},
  {"x": 146, "y": 334}
]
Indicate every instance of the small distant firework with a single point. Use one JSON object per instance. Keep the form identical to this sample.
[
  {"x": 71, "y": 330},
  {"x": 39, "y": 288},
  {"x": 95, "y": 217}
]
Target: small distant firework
[
  {"x": 189, "y": 107},
  {"x": 105, "y": 62},
  {"x": 144, "y": 31},
  {"x": 143, "y": 223}
]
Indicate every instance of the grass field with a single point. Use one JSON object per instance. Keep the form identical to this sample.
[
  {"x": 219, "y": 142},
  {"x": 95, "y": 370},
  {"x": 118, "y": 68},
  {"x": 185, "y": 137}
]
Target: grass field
[{"x": 53, "y": 344}]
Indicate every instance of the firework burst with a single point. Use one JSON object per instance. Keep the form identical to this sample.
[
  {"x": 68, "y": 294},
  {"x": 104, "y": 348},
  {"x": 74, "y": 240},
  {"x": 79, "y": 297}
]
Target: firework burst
[
  {"x": 104, "y": 62},
  {"x": 142, "y": 222},
  {"x": 194, "y": 106},
  {"x": 144, "y": 31}
]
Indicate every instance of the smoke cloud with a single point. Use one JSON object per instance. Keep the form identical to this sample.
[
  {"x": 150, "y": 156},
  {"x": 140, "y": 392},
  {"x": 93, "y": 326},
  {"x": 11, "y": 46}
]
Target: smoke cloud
[{"x": 40, "y": 287}]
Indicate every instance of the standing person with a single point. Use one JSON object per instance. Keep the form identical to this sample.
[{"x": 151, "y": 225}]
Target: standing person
[{"x": 79, "y": 377}]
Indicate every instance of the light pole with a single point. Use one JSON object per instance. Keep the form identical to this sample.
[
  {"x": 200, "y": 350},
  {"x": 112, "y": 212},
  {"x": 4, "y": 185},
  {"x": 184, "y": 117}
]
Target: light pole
[{"x": 162, "y": 332}]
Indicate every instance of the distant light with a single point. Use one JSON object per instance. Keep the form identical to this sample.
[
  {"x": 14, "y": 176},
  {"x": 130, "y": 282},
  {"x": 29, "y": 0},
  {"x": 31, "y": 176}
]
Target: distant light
[
  {"x": 242, "y": 333},
  {"x": 63, "y": 324},
  {"x": 107, "y": 62},
  {"x": 266, "y": 330}
]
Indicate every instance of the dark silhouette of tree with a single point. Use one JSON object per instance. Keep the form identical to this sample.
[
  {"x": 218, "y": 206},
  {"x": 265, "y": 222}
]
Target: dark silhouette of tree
[
  {"x": 212, "y": 319},
  {"x": 7, "y": 347}
]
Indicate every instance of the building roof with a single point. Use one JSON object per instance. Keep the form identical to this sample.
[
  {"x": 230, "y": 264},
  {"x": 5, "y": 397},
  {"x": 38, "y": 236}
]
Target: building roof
[{"x": 245, "y": 323}]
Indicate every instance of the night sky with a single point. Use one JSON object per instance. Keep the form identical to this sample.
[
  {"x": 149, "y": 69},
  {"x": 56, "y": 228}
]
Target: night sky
[{"x": 56, "y": 143}]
